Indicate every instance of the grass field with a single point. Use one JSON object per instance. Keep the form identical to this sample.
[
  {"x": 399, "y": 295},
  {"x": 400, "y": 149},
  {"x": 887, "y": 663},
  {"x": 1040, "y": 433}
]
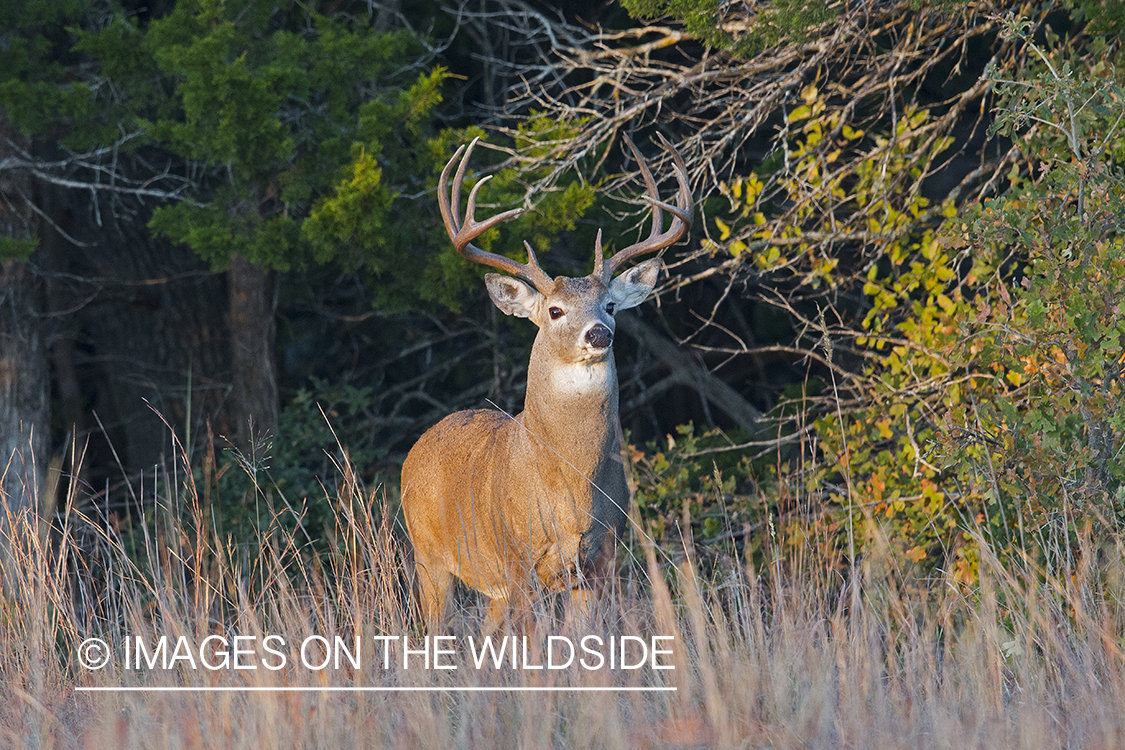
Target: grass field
[{"x": 802, "y": 653}]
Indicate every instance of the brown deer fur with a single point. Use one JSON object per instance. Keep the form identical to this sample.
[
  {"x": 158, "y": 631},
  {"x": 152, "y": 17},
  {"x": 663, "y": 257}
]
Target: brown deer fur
[{"x": 501, "y": 502}]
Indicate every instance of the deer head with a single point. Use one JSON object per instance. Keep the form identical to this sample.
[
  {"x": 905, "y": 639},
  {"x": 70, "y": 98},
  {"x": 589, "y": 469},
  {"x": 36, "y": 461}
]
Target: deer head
[{"x": 522, "y": 300}]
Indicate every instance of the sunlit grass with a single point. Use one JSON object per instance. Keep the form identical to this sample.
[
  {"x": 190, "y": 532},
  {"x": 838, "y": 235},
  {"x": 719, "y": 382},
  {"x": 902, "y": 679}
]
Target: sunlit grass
[{"x": 792, "y": 655}]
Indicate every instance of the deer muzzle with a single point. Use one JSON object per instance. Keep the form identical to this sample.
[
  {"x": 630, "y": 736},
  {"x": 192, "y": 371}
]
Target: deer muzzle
[{"x": 599, "y": 336}]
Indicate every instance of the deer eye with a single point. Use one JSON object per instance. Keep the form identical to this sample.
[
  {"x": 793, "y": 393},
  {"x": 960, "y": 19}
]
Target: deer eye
[
  {"x": 555, "y": 313},
  {"x": 609, "y": 308}
]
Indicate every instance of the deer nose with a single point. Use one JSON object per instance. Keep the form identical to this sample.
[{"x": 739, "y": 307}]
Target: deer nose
[{"x": 599, "y": 336}]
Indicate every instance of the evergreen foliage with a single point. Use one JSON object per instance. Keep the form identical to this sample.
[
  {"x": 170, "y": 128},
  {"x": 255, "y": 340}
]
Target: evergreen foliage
[
  {"x": 970, "y": 384},
  {"x": 711, "y": 23}
]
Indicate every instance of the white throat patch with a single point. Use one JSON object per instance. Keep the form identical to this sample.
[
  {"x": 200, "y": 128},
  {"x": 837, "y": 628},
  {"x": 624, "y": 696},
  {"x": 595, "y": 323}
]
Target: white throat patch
[{"x": 583, "y": 377}]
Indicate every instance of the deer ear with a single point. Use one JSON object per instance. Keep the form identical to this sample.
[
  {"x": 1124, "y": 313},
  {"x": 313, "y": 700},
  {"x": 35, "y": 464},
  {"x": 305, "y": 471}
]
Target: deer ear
[
  {"x": 513, "y": 296},
  {"x": 633, "y": 287}
]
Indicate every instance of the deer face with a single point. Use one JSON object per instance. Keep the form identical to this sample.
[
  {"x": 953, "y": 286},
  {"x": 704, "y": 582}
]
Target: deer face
[{"x": 575, "y": 316}]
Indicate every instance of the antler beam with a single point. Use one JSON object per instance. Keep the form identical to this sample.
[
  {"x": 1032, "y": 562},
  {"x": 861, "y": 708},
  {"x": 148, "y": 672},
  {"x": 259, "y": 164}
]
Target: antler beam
[
  {"x": 657, "y": 240},
  {"x": 462, "y": 234}
]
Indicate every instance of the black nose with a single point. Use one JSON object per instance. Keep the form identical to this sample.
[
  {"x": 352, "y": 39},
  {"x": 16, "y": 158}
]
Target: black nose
[{"x": 599, "y": 336}]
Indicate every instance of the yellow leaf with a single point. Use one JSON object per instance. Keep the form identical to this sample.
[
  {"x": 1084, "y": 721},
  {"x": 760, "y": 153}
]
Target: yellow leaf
[
  {"x": 1014, "y": 377},
  {"x": 884, "y": 426},
  {"x": 800, "y": 113},
  {"x": 724, "y": 229}
]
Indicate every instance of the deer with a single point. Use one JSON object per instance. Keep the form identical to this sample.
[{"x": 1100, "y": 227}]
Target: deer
[{"x": 500, "y": 501}]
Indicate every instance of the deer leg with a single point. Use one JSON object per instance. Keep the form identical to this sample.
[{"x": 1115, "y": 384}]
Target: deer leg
[
  {"x": 597, "y": 568},
  {"x": 434, "y": 583},
  {"x": 580, "y": 608},
  {"x": 515, "y": 611},
  {"x": 494, "y": 618}
]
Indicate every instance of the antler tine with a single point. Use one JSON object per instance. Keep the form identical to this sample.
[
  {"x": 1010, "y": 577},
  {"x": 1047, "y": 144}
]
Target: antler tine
[
  {"x": 449, "y": 217},
  {"x": 599, "y": 261},
  {"x": 682, "y": 213},
  {"x": 462, "y": 234},
  {"x": 684, "y": 192},
  {"x": 650, "y": 185}
]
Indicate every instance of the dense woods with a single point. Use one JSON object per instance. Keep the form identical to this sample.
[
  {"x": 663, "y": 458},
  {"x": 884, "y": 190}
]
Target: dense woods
[{"x": 899, "y": 310}]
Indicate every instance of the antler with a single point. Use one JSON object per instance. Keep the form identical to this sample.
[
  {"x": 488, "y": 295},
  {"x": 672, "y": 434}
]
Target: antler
[
  {"x": 656, "y": 240},
  {"x": 462, "y": 235}
]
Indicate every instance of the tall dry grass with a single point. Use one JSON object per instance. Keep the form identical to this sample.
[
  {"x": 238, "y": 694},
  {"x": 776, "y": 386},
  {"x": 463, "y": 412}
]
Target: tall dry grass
[{"x": 793, "y": 655}]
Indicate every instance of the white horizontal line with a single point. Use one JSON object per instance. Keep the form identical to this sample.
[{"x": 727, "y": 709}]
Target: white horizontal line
[{"x": 393, "y": 689}]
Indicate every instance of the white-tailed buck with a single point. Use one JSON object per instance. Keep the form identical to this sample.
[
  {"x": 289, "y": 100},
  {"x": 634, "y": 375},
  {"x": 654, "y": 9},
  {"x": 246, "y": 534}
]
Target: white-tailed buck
[{"x": 495, "y": 500}]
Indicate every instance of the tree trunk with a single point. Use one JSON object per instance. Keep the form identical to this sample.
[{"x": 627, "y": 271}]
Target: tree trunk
[
  {"x": 24, "y": 406},
  {"x": 24, "y": 394},
  {"x": 253, "y": 304}
]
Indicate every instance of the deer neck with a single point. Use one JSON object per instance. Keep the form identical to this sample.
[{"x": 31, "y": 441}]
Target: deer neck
[{"x": 572, "y": 409}]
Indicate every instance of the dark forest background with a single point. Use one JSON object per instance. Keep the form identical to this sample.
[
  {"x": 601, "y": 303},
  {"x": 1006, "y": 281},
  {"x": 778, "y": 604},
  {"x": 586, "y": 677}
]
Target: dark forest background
[{"x": 899, "y": 308}]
